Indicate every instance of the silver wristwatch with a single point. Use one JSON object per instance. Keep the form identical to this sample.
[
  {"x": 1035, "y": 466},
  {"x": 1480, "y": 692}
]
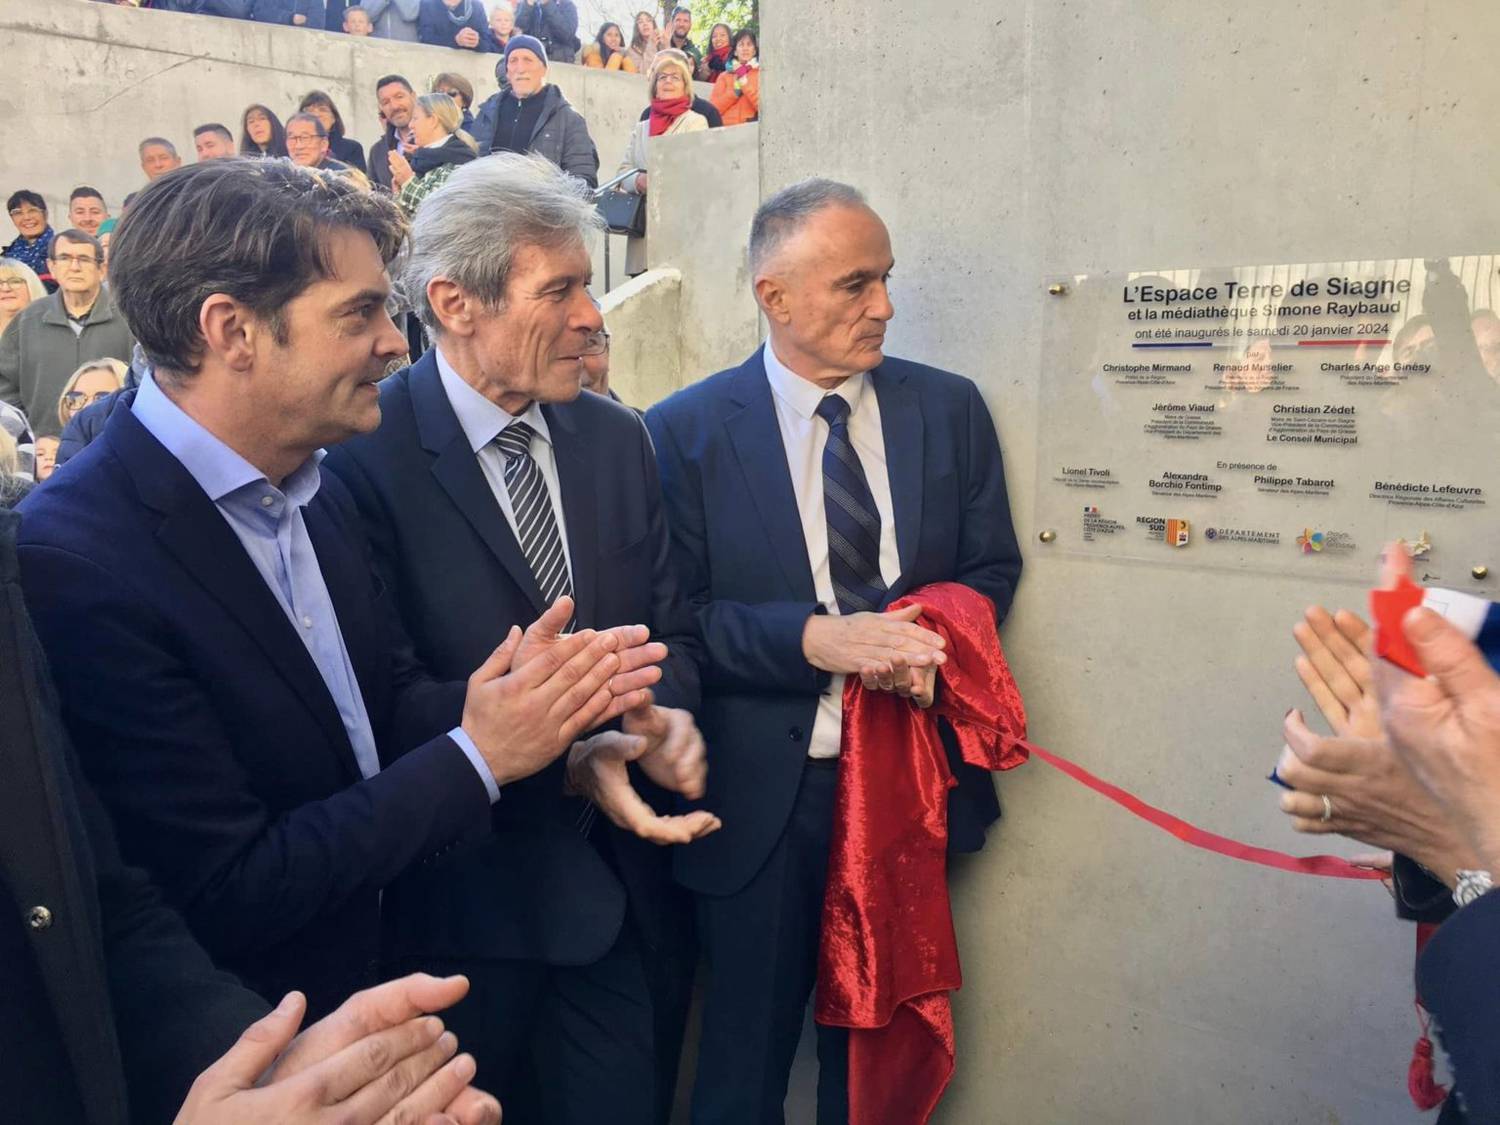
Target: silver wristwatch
[{"x": 1471, "y": 884}]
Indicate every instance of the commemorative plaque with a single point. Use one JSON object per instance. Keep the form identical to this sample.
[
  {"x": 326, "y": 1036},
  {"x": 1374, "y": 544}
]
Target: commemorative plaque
[{"x": 1276, "y": 418}]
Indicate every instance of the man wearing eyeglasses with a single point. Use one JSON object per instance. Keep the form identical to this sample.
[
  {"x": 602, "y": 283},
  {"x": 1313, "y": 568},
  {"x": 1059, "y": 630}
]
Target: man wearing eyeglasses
[
  {"x": 53, "y": 337},
  {"x": 307, "y": 145}
]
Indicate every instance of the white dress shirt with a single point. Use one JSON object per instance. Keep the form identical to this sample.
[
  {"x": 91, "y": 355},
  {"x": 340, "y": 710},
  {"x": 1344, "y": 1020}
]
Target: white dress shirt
[
  {"x": 805, "y": 434},
  {"x": 482, "y": 421}
]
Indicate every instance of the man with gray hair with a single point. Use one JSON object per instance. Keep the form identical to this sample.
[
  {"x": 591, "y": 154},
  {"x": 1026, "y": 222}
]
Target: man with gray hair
[
  {"x": 493, "y": 487},
  {"x": 158, "y": 157},
  {"x": 807, "y": 490}
]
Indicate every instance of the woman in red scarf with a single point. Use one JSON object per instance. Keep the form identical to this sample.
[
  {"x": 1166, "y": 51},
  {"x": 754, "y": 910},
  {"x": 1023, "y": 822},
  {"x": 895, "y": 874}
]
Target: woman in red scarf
[
  {"x": 737, "y": 92},
  {"x": 716, "y": 58},
  {"x": 670, "y": 81}
]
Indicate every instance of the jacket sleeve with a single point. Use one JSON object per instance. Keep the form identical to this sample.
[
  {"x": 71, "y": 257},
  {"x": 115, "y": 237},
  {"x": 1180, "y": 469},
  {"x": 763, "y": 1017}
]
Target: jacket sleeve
[
  {"x": 313, "y": 10},
  {"x": 175, "y": 1013},
  {"x": 155, "y": 745},
  {"x": 479, "y": 20},
  {"x": 635, "y": 157},
  {"x": 579, "y": 156},
  {"x": 1457, "y": 981},
  {"x": 560, "y": 18},
  {"x": 743, "y": 647},
  {"x": 485, "y": 121},
  {"x": 376, "y": 8},
  {"x": 989, "y": 558},
  {"x": 10, "y": 364},
  {"x": 432, "y": 25},
  {"x": 671, "y": 616},
  {"x": 723, "y": 96},
  {"x": 528, "y": 17}
]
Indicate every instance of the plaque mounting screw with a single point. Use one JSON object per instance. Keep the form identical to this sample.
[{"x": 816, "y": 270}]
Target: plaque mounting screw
[
  {"x": 1047, "y": 536},
  {"x": 1057, "y": 289},
  {"x": 1480, "y": 572}
]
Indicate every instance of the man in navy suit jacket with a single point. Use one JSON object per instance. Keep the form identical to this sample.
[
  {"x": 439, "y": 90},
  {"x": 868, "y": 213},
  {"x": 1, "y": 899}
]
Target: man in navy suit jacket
[
  {"x": 574, "y": 949},
  {"x": 806, "y": 490},
  {"x": 228, "y": 663}
]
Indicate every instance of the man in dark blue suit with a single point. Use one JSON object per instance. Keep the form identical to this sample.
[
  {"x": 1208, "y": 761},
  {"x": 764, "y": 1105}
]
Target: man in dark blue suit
[
  {"x": 492, "y": 487},
  {"x": 806, "y": 489},
  {"x": 228, "y": 663}
]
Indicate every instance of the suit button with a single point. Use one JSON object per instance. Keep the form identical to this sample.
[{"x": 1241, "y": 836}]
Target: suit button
[
  {"x": 795, "y": 734},
  {"x": 38, "y": 918}
]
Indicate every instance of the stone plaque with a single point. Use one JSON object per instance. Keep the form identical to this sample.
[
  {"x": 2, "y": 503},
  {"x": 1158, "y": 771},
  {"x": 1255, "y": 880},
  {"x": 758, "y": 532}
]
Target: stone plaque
[{"x": 1276, "y": 418}]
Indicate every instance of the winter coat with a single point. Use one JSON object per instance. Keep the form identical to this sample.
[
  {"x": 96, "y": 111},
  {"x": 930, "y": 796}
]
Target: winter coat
[
  {"x": 555, "y": 23},
  {"x": 394, "y": 19},
  {"x": 40, "y": 351},
  {"x": 635, "y": 157},
  {"x": 437, "y": 23},
  {"x": 737, "y": 108},
  {"x": 562, "y": 136}
]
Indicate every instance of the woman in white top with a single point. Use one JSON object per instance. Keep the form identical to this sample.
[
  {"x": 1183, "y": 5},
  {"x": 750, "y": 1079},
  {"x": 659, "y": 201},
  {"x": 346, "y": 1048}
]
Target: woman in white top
[{"x": 670, "y": 82}]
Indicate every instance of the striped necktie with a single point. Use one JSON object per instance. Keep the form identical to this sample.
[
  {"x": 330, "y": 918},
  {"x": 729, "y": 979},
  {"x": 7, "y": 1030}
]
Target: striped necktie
[
  {"x": 536, "y": 523},
  {"x": 853, "y": 519}
]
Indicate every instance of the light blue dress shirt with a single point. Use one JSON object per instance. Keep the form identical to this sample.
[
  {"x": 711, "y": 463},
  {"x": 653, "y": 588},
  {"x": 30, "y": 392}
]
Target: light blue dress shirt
[{"x": 268, "y": 523}]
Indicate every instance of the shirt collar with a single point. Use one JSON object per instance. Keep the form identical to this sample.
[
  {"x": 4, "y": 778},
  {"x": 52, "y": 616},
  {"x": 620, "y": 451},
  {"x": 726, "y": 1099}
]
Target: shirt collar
[
  {"x": 803, "y": 395},
  {"x": 479, "y": 418},
  {"x": 219, "y": 470}
]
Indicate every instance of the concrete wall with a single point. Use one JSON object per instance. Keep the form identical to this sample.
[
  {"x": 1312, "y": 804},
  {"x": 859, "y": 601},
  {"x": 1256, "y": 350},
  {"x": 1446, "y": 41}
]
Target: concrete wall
[
  {"x": 1111, "y": 974},
  {"x": 98, "y": 78},
  {"x": 704, "y": 191}
]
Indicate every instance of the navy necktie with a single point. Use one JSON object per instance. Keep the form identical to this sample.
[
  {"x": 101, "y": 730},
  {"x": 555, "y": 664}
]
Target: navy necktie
[{"x": 853, "y": 519}]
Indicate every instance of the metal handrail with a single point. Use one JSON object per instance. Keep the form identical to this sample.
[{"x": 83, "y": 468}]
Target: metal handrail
[{"x": 616, "y": 182}]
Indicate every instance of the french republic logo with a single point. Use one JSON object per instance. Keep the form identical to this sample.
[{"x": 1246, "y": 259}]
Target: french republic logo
[{"x": 1090, "y": 510}]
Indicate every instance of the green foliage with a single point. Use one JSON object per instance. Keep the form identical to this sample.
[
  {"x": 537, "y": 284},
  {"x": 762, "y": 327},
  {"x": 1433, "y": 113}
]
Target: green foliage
[{"x": 736, "y": 13}]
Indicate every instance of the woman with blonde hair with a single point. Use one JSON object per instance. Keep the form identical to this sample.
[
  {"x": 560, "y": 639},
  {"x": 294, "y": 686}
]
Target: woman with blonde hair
[
  {"x": 669, "y": 83},
  {"x": 95, "y": 380},
  {"x": 442, "y": 147},
  {"x": 19, "y": 286}
]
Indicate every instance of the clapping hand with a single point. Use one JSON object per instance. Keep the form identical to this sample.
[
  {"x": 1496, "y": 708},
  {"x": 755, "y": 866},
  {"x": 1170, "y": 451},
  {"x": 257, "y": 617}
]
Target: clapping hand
[
  {"x": 400, "y": 170},
  {"x": 379, "y": 1059}
]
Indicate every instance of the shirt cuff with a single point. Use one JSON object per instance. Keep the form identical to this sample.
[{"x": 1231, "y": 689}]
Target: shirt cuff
[{"x": 466, "y": 744}]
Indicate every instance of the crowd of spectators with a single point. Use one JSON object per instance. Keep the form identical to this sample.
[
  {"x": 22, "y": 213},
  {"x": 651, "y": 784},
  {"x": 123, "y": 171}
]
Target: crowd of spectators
[{"x": 62, "y": 346}]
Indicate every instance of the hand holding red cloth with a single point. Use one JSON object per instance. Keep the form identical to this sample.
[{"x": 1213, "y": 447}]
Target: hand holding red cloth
[{"x": 889, "y": 955}]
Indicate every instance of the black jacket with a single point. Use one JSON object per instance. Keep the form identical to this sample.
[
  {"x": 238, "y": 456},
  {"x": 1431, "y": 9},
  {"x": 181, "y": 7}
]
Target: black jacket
[
  {"x": 455, "y": 571},
  {"x": 207, "y": 730},
  {"x": 108, "y": 948},
  {"x": 561, "y": 135},
  {"x": 349, "y": 151},
  {"x": 452, "y": 151},
  {"x": 1457, "y": 982}
]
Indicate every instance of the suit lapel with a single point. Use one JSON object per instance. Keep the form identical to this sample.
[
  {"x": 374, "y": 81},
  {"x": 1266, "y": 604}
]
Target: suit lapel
[
  {"x": 901, "y": 427},
  {"x": 194, "y": 532},
  {"x": 456, "y": 469},
  {"x": 756, "y": 438},
  {"x": 579, "y": 502}
]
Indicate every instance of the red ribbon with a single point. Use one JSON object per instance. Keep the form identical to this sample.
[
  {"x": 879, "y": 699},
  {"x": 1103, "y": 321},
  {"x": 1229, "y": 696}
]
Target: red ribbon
[{"x": 1330, "y": 866}]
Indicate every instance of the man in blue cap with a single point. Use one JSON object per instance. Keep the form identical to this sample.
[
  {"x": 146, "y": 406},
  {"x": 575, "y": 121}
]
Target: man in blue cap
[{"x": 533, "y": 115}]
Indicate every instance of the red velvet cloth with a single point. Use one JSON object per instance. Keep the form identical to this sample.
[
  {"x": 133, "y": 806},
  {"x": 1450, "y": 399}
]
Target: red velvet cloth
[{"x": 889, "y": 956}]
